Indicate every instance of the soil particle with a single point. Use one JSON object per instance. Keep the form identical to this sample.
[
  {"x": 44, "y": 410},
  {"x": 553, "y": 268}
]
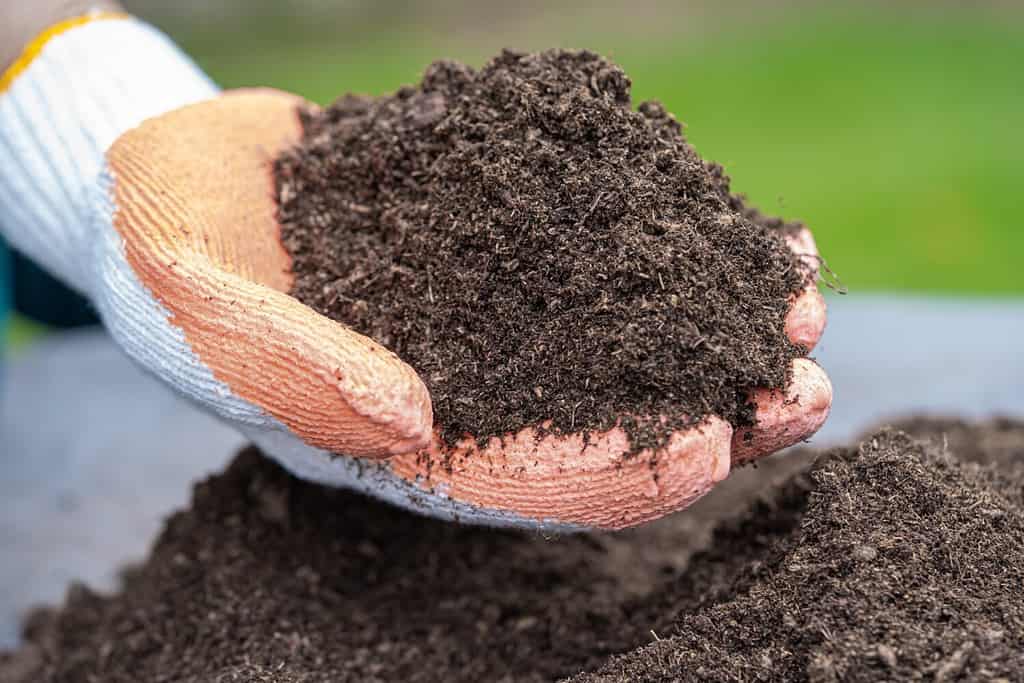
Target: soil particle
[
  {"x": 540, "y": 251},
  {"x": 895, "y": 560}
]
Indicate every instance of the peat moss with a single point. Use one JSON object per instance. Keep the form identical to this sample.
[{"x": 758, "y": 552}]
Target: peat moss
[
  {"x": 894, "y": 560},
  {"x": 906, "y": 564},
  {"x": 539, "y": 250}
]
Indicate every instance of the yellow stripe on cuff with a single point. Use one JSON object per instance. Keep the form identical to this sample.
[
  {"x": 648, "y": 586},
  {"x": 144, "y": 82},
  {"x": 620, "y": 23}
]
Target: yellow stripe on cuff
[{"x": 33, "y": 49}]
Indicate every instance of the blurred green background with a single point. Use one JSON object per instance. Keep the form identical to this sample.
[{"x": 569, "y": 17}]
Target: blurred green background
[{"x": 895, "y": 132}]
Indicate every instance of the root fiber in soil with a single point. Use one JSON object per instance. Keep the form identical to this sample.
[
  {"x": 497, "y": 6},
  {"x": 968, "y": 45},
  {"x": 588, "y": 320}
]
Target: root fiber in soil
[
  {"x": 893, "y": 560},
  {"x": 537, "y": 250}
]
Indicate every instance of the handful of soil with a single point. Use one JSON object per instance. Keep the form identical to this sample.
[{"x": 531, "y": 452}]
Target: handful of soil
[
  {"x": 539, "y": 251},
  {"x": 894, "y": 560}
]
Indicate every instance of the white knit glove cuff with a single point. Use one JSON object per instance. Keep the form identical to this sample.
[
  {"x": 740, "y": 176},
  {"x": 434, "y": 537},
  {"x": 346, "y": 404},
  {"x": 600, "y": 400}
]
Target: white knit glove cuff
[{"x": 60, "y": 110}]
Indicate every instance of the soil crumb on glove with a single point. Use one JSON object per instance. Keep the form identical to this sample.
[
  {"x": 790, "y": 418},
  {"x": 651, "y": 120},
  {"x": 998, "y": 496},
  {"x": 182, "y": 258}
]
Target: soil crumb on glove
[
  {"x": 894, "y": 560},
  {"x": 539, "y": 250}
]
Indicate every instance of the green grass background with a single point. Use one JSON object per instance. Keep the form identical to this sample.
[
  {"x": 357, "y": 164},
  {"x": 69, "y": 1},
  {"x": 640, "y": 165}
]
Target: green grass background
[{"x": 897, "y": 136}]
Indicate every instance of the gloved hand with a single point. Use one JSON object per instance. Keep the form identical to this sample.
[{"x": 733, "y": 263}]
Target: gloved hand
[{"x": 131, "y": 178}]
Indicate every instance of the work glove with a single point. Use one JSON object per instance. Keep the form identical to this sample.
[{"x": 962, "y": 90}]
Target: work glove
[{"x": 128, "y": 175}]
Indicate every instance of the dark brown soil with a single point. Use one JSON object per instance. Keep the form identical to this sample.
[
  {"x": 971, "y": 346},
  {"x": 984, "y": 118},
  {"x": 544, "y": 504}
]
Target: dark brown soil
[
  {"x": 907, "y": 563},
  {"x": 896, "y": 560},
  {"x": 537, "y": 250},
  {"x": 1000, "y": 443}
]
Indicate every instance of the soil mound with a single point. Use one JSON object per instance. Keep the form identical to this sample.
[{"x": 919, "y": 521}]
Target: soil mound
[
  {"x": 906, "y": 562},
  {"x": 539, "y": 250},
  {"x": 895, "y": 560}
]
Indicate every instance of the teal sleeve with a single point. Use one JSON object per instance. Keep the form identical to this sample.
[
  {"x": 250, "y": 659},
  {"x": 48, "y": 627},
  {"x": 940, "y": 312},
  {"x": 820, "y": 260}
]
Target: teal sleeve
[{"x": 5, "y": 293}]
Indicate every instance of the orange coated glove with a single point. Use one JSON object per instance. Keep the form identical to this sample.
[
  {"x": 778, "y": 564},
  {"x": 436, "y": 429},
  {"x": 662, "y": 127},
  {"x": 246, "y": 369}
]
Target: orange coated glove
[{"x": 166, "y": 219}]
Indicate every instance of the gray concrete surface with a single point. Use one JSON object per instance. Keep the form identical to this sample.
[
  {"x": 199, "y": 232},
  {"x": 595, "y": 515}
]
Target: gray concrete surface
[
  {"x": 95, "y": 454},
  {"x": 894, "y": 355}
]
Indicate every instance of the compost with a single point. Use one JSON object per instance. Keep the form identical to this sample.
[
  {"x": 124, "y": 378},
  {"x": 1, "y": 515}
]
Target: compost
[
  {"x": 895, "y": 559},
  {"x": 539, "y": 251}
]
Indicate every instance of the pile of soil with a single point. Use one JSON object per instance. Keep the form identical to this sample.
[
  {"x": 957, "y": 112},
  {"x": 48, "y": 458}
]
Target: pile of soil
[
  {"x": 893, "y": 560},
  {"x": 539, "y": 250},
  {"x": 907, "y": 562}
]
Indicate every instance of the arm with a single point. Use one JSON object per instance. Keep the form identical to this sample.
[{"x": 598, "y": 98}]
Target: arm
[
  {"x": 20, "y": 22},
  {"x": 69, "y": 90}
]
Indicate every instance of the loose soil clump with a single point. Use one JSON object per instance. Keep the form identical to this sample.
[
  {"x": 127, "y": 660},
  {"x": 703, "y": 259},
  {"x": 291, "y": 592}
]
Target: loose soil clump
[
  {"x": 894, "y": 560},
  {"x": 540, "y": 251}
]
